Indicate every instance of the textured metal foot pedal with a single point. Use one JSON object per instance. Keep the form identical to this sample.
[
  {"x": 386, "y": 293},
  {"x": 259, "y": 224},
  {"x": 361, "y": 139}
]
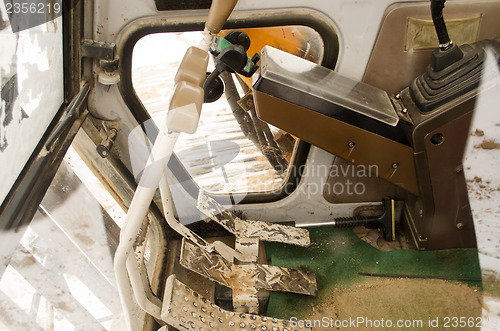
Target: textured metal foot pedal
[
  {"x": 251, "y": 229},
  {"x": 272, "y": 232},
  {"x": 258, "y": 276},
  {"x": 185, "y": 309}
]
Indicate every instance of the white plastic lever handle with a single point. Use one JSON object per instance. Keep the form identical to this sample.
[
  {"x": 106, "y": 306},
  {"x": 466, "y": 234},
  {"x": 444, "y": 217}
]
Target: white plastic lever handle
[
  {"x": 193, "y": 66},
  {"x": 185, "y": 107},
  {"x": 187, "y": 99}
]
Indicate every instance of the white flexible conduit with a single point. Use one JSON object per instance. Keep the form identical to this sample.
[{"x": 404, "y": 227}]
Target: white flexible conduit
[
  {"x": 160, "y": 154},
  {"x": 183, "y": 116}
]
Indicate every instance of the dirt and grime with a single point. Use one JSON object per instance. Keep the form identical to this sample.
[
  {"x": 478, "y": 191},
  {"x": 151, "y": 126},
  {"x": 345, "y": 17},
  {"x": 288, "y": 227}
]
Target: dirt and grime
[{"x": 398, "y": 299}]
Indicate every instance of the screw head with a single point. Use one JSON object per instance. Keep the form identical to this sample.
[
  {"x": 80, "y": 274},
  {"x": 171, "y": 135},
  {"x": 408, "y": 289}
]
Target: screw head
[
  {"x": 397, "y": 96},
  {"x": 395, "y": 165},
  {"x": 404, "y": 110},
  {"x": 460, "y": 225},
  {"x": 351, "y": 144}
]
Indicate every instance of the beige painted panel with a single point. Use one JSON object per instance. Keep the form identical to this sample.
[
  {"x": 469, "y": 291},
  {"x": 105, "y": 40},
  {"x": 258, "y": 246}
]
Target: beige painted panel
[
  {"x": 392, "y": 66},
  {"x": 420, "y": 34}
]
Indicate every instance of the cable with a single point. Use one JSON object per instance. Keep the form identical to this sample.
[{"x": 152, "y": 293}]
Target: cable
[{"x": 437, "y": 7}]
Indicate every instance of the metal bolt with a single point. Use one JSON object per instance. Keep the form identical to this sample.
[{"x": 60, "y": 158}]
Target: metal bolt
[
  {"x": 460, "y": 226},
  {"x": 397, "y": 96},
  {"x": 351, "y": 144},
  {"x": 404, "y": 110},
  {"x": 421, "y": 212},
  {"x": 395, "y": 165}
]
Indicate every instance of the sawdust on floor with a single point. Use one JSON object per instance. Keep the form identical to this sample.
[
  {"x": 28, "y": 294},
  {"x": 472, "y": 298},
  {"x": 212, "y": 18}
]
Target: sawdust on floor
[{"x": 412, "y": 300}]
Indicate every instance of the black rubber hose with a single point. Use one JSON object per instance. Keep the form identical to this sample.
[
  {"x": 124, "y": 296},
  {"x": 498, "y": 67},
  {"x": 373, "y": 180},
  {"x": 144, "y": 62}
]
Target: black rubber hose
[
  {"x": 437, "y": 7},
  {"x": 207, "y": 84}
]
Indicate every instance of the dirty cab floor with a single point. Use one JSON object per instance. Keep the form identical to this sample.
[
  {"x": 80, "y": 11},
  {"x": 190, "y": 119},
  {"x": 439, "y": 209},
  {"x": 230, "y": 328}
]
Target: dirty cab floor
[{"x": 337, "y": 256}]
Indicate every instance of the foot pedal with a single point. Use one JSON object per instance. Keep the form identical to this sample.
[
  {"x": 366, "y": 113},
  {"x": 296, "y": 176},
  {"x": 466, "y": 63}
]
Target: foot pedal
[
  {"x": 185, "y": 309},
  {"x": 251, "y": 275},
  {"x": 251, "y": 229},
  {"x": 272, "y": 232}
]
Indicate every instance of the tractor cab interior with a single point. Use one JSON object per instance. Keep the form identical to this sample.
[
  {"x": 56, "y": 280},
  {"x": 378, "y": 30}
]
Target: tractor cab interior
[{"x": 253, "y": 165}]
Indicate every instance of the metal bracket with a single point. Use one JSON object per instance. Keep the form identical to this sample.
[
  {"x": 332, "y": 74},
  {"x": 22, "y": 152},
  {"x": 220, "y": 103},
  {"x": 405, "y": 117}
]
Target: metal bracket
[
  {"x": 98, "y": 50},
  {"x": 246, "y": 102},
  {"x": 106, "y": 136},
  {"x": 185, "y": 309},
  {"x": 104, "y": 148}
]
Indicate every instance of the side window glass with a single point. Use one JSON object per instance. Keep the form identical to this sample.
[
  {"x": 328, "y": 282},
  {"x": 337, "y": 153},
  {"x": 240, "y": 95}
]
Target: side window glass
[
  {"x": 232, "y": 150},
  {"x": 28, "y": 55}
]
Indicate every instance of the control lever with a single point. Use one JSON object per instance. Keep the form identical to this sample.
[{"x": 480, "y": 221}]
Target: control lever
[{"x": 454, "y": 70}]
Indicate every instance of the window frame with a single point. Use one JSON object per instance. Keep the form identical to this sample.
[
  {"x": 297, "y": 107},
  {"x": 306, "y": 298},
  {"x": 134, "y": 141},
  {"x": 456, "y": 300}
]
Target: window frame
[{"x": 186, "y": 21}]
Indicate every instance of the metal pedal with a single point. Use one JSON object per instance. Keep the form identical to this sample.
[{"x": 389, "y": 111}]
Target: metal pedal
[
  {"x": 258, "y": 276},
  {"x": 185, "y": 309},
  {"x": 251, "y": 229}
]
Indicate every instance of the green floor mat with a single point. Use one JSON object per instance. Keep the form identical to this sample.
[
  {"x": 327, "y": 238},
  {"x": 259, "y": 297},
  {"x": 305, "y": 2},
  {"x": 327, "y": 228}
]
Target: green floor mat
[{"x": 336, "y": 256}]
